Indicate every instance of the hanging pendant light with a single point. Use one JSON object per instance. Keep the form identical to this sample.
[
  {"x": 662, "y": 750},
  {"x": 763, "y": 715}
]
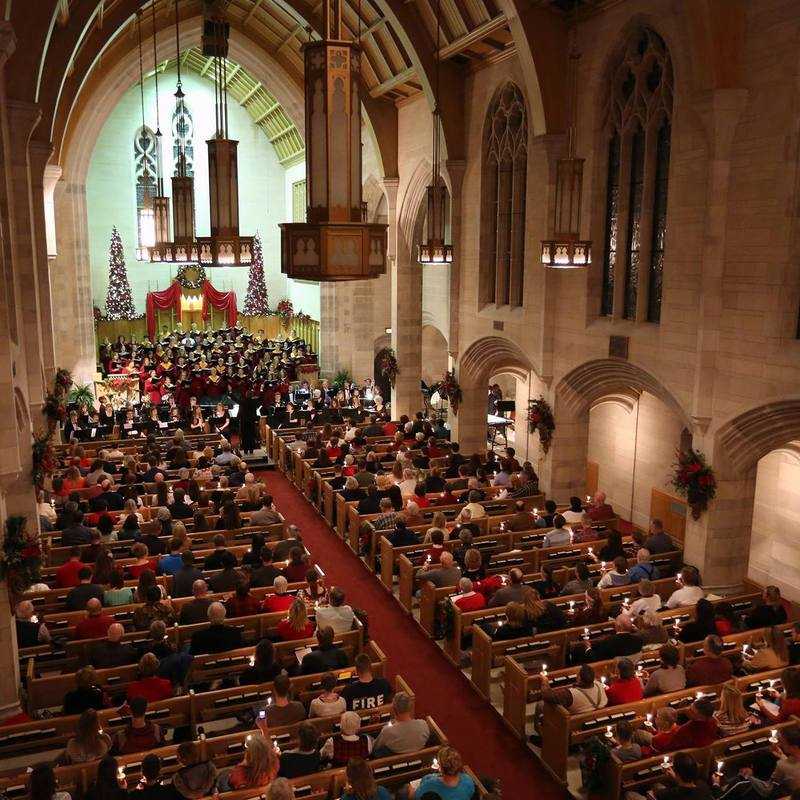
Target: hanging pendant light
[
  {"x": 434, "y": 250},
  {"x": 335, "y": 243},
  {"x": 566, "y": 250},
  {"x": 160, "y": 200},
  {"x": 145, "y": 215}
]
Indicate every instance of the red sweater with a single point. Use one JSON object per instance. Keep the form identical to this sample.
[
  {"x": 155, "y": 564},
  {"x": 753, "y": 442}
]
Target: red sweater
[
  {"x": 152, "y": 689},
  {"x": 622, "y": 691},
  {"x": 289, "y": 634},
  {"x": 94, "y": 627},
  {"x": 474, "y": 601},
  {"x": 277, "y": 602},
  {"x": 67, "y": 574},
  {"x": 695, "y": 733}
]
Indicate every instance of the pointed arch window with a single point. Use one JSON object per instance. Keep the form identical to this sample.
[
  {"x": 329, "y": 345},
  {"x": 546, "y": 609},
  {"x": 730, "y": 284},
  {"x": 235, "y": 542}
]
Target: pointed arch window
[
  {"x": 637, "y": 179},
  {"x": 504, "y": 179},
  {"x": 144, "y": 161}
]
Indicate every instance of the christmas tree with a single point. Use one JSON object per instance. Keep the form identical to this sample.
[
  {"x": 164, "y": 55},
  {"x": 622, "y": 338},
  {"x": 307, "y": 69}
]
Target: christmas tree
[
  {"x": 255, "y": 303},
  {"x": 119, "y": 302}
]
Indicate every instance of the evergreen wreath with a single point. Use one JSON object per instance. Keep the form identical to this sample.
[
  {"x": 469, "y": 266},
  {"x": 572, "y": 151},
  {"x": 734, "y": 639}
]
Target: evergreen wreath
[
  {"x": 387, "y": 364},
  {"x": 21, "y": 556},
  {"x": 541, "y": 420}
]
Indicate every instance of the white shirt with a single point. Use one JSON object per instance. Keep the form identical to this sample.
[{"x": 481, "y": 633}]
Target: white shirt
[
  {"x": 340, "y": 618},
  {"x": 645, "y": 604},
  {"x": 685, "y": 596},
  {"x": 556, "y": 537},
  {"x": 408, "y": 486},
  {"x": 573, "y": 516},
  {"x": 476, "y": 509},
  {"x": 584, "y": 700}
]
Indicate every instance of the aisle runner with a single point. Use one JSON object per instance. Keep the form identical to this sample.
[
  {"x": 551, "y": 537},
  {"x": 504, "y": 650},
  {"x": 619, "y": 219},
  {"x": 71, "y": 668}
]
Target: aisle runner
[{"x": 442, "y": 690}]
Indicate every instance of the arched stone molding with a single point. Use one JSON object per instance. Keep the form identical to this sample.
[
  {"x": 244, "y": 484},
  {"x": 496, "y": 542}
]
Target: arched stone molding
[
  {"x": 563, "y": 471},
  {"x": 487, "y": 356},
  {"x": 719, "y": 542}
]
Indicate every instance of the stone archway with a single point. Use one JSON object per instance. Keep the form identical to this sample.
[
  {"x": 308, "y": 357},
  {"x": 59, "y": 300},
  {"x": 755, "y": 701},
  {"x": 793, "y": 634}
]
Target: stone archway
[
  {"x": 719, "y": 542},
  {"x": 584, "y": 386},
  {"x": 434, "y": 353}
]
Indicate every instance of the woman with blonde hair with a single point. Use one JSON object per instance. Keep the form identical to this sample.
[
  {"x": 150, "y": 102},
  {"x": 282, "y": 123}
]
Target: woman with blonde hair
[
  {"x": 89, "y": 743},
  {"x": 774, "y": 654},
  {"x": 474, "y": 568},
  {"x": 132, "y": 509},
  {"x": 732, "y": 717},
  {"x": 257, "y": 769},
  {"x": 361, "y": 783},
  {"x": 542, "y": 614},
  {"x": 296, "y": 625}
]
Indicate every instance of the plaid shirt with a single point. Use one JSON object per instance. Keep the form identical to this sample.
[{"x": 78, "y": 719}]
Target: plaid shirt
[
  {"x": 385, "y": 521},
  {"x": 528, "y": 490}
]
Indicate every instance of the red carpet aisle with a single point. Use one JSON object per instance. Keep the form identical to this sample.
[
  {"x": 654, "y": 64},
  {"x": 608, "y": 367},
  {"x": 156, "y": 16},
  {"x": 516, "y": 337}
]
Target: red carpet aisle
[{"x": 442, "y": 690}]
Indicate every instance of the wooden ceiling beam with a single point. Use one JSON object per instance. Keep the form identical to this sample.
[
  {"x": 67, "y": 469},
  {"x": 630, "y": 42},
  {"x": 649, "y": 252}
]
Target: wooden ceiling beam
[
  {"x": 393, "y": 82},
  {"x": 252, "y": 11},
  {"x": 475, "y": 35},
  {"x": 261, "y": 117},
  {"x": 246, "y": 99}
]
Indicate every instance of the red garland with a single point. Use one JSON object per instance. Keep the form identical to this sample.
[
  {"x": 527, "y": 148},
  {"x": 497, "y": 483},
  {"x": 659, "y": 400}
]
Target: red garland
[{"x": 694, "y": 479}]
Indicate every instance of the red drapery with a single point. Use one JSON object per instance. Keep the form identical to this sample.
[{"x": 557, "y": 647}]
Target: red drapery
[
  {"x": 161, "y": 301},
  {"x": 221, "y": 301}
]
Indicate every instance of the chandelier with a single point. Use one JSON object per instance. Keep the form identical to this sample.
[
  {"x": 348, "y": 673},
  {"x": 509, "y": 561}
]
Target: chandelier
[
  {"x": 336, "y": 243},
  {"x": 566, "y": 249},
  {"x": 225, "y": 246},
  {"x": 434, "y": 250}
]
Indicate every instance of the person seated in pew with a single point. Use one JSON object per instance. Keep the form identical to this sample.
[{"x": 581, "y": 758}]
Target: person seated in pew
[
  {"x": 149, "y": 685},
  {"x": 280, "y": 599},
  {"x": 267, "y": 514},
  {"x": 546, "y": 520},
  {"x": 687, "y": 783},
  {"x": 139, "y": 735},
  {"x": 296, "y": 625},
  {"x": 511, "y": 591},
  {"x": 263, "y": 668},
  {"x": 86, "y": 694},
  {"x": 658, "y": 541},
  {"x": 522, "y": 520},
  {"x": 643, "y": 569},
  {"x": 712, "y": 666},
  {"x": 256, "y": 770},
  {"x": 67, "y": 573},
  {"x": 303, "y": 759},
  {"x": 325, "y": 654},
  {"x": 618, "y": 575},
  {"x": 196, "y": 776},
  {"x": 96, "y": 624},
  {"x": 112, "y": 651},
  {"x": 732, "y": 717},
  {"x": 593, "y": 609},
  {"x": 470, "y": 559},
  {"x": 560, "y": 536},
  {"x": 371, "y": 504},
  {"x": 752, "y": 781},
  {"x": 787, "y": 770},
  {"x": 75, "y": 532},
  {"x": 612, "y": 549},
  {"x": 588, "y": 694},
  {"x": 152, "y": 609},
  {"x": 768, "y": 610},
  {"x": 187, "y": 574},
  {"x": 700, "y": 729},
  {"x": 297, "y": 567},
  {"x": 89, "y": 742},
  {"x": 30, "y": 631},
  {"x": 542, "y": 614},
  {"x": 180, "y": 509},
  {"x": 623, "y": 642},
  {"x": 726, "y": 621},
  {"x": 446, "y": 573},
  {"x": 229, "y": 517},
  {"x": 170, "y": 564},
  {"x": 436, "y": 537},
  {"x": 118, "y": 594},
  {"x": 348, "y": 744},
  {"x": 242, "y": 603},
  {"x": 151, "y": 786},
  {"x": 404, "y": 733},
  {"x": 547, "y": 586},
  {"x": 229, "y": 576},
  {"x": 774, "y": 653},
  {"x": 290, "y": 538},
  {"x": 402, "y": 535},
  {"x": 196, "y": 610},
  {"x": 690, "y": 590},
  {"x": 648, "y": 600},
  {"x": 599, "y": 508},
  {"x": 265, "y": 573},
  {"x": 627, "y": 687},
  {"x": 695, "y": 630},
  {"x": 651, "y": 628},
  {"x": 467, "y": 599},
  {"x": 580, "y": 583},
  {"x": 336, "y": 614},
  {"x": 218, "y": 637},
  {"x": 328, "y": 703},
  {"x": 516, "y": 625},
  {"x": 669, "y": 676},
  {"x": 42, "y": 784},
  {"x": 283, "y": 710},
  {"x": 627, "y": 748}
]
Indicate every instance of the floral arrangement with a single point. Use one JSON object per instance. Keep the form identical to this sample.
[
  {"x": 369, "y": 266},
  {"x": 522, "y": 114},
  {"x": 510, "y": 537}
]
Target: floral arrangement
[
  {"x": 44, "y": 461},
  {"x": 21, "y": 556},
  {"x": 63, "y": 381},
  {"x": 54, "y": 407},
  {"x": 448, "y": 388},
  {"x": 387, "y": 364},
  {"x": 694, "y": 479},
  {"x": 541, "y": 420},
  {"x": 285, "y": 310},
  {"x": 191, "y": 276}
]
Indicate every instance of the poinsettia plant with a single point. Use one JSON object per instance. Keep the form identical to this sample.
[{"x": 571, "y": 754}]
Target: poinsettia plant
[
  {"x": 21, "y": 556},
  {"x": 541, "y": 420},
  {"x": 44, "y": 460},
  {"x": 694, "y": 479},
  {"x": 285, "y": 310},
  {"x": 448, "y": 388},
  {"x": 387, "y": 364}
]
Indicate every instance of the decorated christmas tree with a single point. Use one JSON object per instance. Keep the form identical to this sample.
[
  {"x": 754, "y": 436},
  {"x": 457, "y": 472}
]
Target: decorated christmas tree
[
  {"x": 119, "y": 302},
  {"x": 255, "y": 303}
]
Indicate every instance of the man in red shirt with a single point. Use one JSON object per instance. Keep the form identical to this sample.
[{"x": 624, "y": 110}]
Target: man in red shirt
[
  {"x": 712, "y": 666},
  {"x": 627, "y": 688},
  {"x": 96, "y": 623},
  {"x": 700, "y": 731},
  {"x": 67, "y": 574},
  {"x": 434, "y": 552},
  {"x": 468, "y": 600},
  {"x": 599, "y": 509},
  {"x": 278, "y": 600}
]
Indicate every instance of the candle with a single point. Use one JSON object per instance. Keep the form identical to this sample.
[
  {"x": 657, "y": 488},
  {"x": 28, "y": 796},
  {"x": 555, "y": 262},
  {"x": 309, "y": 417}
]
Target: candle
[
  {"x": 609, "y": 732},
  {"x": 269, "y": 701},
  {"x": 543, "y": 672},
  {"x": 571, "y": 537},
  {"x": 571, "y": 606},
  {"x": 626, "y": 603},
  {"x": 602, "y": 565},
  {"x": 588, "y": 498},
  {"x": 435, "y": 763},
  {"x": 698, "y": 695},
  {"x": 34, "y": 619},
  {"x": 590, "y": 550},
  {"x": 277, "y": 747},
  {"x": 720, "y": 765},
  {"x": 252, "y": 661},
  {"x": 586, "y": 634},
  {"x": 772, "y": 683},
  {"x": 121, "y": 773},
  {"x": 535, "y": 511},
  {"x": 604, "y": 681},
  {"x": 745, "y": 648},
  {"x": 773, "y": 736},
  {"x": 666, "y": 763},
  {"x": 649, "y": 720}
]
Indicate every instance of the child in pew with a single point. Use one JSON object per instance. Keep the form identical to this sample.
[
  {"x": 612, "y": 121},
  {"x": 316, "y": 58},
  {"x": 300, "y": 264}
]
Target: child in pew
[
  {"x": 627, "y": 748},
  {"x": 686, "y": 783}
]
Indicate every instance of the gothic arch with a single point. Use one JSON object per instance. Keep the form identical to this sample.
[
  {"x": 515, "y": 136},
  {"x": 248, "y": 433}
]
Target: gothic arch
[
  {"x": 588, "y": 383},
  {"x": 490, "y": 355},
  {"x": 411, "y": 211},
  {"x": 750, "y": 435}
]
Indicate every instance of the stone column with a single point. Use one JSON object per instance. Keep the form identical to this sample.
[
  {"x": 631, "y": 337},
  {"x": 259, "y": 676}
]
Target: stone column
[
  {"x": 455, "y": 172},
  {"x": 562, "y": 471},
  {"x": 468, "y": 427}
]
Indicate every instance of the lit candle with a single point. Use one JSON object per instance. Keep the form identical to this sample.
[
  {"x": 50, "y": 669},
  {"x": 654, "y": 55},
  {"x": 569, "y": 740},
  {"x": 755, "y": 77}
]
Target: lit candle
[
  {"x": 773, "y": 736},
  {"x": 277, "y": 747},
  {"x": 269, "y": 701},
  {"x": 720, "y": 765},
  {"x": 602, "y": 565},
  {"x": 571, "y": 606},
  {"x": 772, "y": 683},
  {"x": 604, "y": 681},
  {"x": 435, "y": 763},
  {"x": 626, "y": 603},
  {"x": 34, "y": 619},
  {"x": 609, "y": 732},
  {"x": 588, "y": 498},
  {"x": 252, "y": 661},
  {"x": 649, "y": 720},
  {"x": 698, "y": 695},
  {"x": 571, "y": 537},
  {"x": 535, "y": 511},
  {"x": 121, "y": 773},
  {"x": 543, "y": 672},
  {"x": 745, "y": 648},
  {"x": 666, "y": 763},
  {"x": 590, "y": 550},
  {"x": 586, "y": 634}
]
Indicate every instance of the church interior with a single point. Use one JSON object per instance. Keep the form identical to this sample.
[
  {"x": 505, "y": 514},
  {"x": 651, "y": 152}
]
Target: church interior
[{"x": 399, "y": 399}]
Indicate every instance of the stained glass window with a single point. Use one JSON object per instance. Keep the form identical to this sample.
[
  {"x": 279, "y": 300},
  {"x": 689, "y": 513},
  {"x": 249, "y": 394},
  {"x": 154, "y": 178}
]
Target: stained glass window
[
  {"x": 635, "y": 195},
  {"x": 503, "y": 206},
  {"x": 659, "y": 223},
  {"x": 612, "y": 224},
  {"x": 183, "y": 134}
]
